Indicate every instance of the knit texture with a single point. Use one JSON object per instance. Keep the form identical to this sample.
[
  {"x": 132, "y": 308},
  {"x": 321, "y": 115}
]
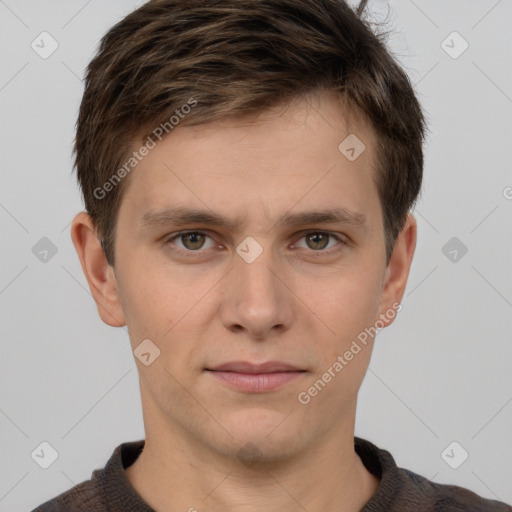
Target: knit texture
[{"x": 400, "y": 490}]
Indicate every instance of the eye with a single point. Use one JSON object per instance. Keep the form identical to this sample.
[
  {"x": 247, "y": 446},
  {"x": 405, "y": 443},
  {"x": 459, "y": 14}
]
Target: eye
[
  {"x": 319, "y": 240},
  {"x": 198, "y": 242},
  {"x": 191, "y": 241}
]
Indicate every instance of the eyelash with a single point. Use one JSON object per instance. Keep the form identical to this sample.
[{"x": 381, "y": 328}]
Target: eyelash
[{"x": 314, "y": 254}]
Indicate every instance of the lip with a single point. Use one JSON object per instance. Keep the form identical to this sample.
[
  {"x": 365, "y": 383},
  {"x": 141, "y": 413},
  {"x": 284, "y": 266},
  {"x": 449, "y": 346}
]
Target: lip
[
  {"x": 255, "y": 378},
  {"x": 246, "y": 367}
]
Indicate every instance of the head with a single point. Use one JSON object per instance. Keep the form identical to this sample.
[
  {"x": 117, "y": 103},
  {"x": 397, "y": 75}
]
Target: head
[{"x": 230, "y": 120}]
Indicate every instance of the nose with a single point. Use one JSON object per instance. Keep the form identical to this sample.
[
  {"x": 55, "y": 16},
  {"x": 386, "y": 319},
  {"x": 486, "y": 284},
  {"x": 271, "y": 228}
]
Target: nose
[{"x": 256, "y": 302}]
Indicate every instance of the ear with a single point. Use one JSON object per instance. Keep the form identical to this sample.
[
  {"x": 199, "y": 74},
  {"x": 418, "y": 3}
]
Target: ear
[
  {"x": 99, "y": 274},
  {"x": 397, "y": 271}
]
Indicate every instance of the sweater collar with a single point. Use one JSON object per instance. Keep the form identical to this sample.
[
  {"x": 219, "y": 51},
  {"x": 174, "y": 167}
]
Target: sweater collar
[{"x": 120, "y": 496}]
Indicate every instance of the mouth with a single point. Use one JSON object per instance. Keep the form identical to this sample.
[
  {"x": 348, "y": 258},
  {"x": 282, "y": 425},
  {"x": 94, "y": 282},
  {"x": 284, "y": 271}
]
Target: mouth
[{"x": 255, "y": 378}]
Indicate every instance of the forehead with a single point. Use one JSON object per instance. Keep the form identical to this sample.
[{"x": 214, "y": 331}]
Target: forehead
[{"x": 302, "y": 155}]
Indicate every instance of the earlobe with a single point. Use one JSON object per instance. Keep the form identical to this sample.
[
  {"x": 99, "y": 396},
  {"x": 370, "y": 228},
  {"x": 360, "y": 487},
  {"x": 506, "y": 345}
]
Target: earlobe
[
  {"x": 99, "y": 274},
  {"x": 397, "y": 271}
]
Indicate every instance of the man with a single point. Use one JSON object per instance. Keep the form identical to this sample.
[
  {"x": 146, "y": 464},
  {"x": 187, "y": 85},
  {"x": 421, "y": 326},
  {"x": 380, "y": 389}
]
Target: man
[{"x": 248, "y": 169}]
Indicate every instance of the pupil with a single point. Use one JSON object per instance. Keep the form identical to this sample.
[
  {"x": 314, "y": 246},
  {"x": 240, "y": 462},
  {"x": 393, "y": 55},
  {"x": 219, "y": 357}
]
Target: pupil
[
  {"x": 319, "y": 239},
  {"x": 193, "y": 240}
]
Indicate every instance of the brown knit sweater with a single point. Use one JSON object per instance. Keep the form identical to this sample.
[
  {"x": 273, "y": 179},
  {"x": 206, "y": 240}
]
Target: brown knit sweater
[{"x": 400, "y": 490}]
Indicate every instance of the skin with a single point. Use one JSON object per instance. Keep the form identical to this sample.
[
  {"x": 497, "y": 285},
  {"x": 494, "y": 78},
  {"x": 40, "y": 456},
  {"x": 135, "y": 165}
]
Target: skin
[{"x": 209, "y": 307}]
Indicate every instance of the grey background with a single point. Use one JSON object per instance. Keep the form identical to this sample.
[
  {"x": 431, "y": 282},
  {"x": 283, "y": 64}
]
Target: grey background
[{"x": 440, "y": 373}]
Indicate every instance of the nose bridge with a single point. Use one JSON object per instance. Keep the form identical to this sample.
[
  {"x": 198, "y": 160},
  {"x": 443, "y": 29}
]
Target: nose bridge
[
  {"x": 253, "y": 270},
  {"x": 256, "y": 300}
]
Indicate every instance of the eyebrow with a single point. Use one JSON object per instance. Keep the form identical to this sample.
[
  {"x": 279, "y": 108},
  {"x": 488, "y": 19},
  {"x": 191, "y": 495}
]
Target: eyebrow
[{"x": 178, "y": 216}]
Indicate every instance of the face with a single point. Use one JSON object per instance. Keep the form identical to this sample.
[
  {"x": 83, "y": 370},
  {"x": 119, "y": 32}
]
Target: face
[{"x": 251, "y": 253}]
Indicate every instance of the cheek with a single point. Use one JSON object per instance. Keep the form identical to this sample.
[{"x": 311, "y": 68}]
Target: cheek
[
  {"x": 352, "y": 304},
  {"x": 345, "y": 355},
  {"x": 146, "y": 299},
  {"x": 162, "y": 307}
]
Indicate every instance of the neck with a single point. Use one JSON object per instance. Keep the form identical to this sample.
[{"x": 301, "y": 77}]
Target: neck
[{"x": 176, "y": 475}]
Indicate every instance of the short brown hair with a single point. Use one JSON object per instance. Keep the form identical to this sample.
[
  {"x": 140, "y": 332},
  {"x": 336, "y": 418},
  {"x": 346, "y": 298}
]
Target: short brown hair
[{"x": 235, "y": 58}]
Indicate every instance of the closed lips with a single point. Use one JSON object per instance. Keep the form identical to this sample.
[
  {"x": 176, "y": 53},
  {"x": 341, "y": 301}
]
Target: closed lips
[{"x": 251, "y": 368}]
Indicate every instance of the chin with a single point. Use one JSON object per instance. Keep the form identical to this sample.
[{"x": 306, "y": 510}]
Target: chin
[{"x": 264, "y": 435}]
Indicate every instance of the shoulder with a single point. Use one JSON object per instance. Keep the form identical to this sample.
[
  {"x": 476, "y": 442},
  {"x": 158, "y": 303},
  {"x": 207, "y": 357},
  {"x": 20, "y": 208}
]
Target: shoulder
[
  {"x": 108, "y": 488},
  {"x": 80, "y": 498},
  {"x": 402, "y": 490},
  {"x": 417, "y": 491}
]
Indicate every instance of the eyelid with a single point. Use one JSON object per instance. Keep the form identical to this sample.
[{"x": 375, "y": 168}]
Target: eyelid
[
  {"x": 343, "y": 241},
  {"x": 174, "y": 236}
]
